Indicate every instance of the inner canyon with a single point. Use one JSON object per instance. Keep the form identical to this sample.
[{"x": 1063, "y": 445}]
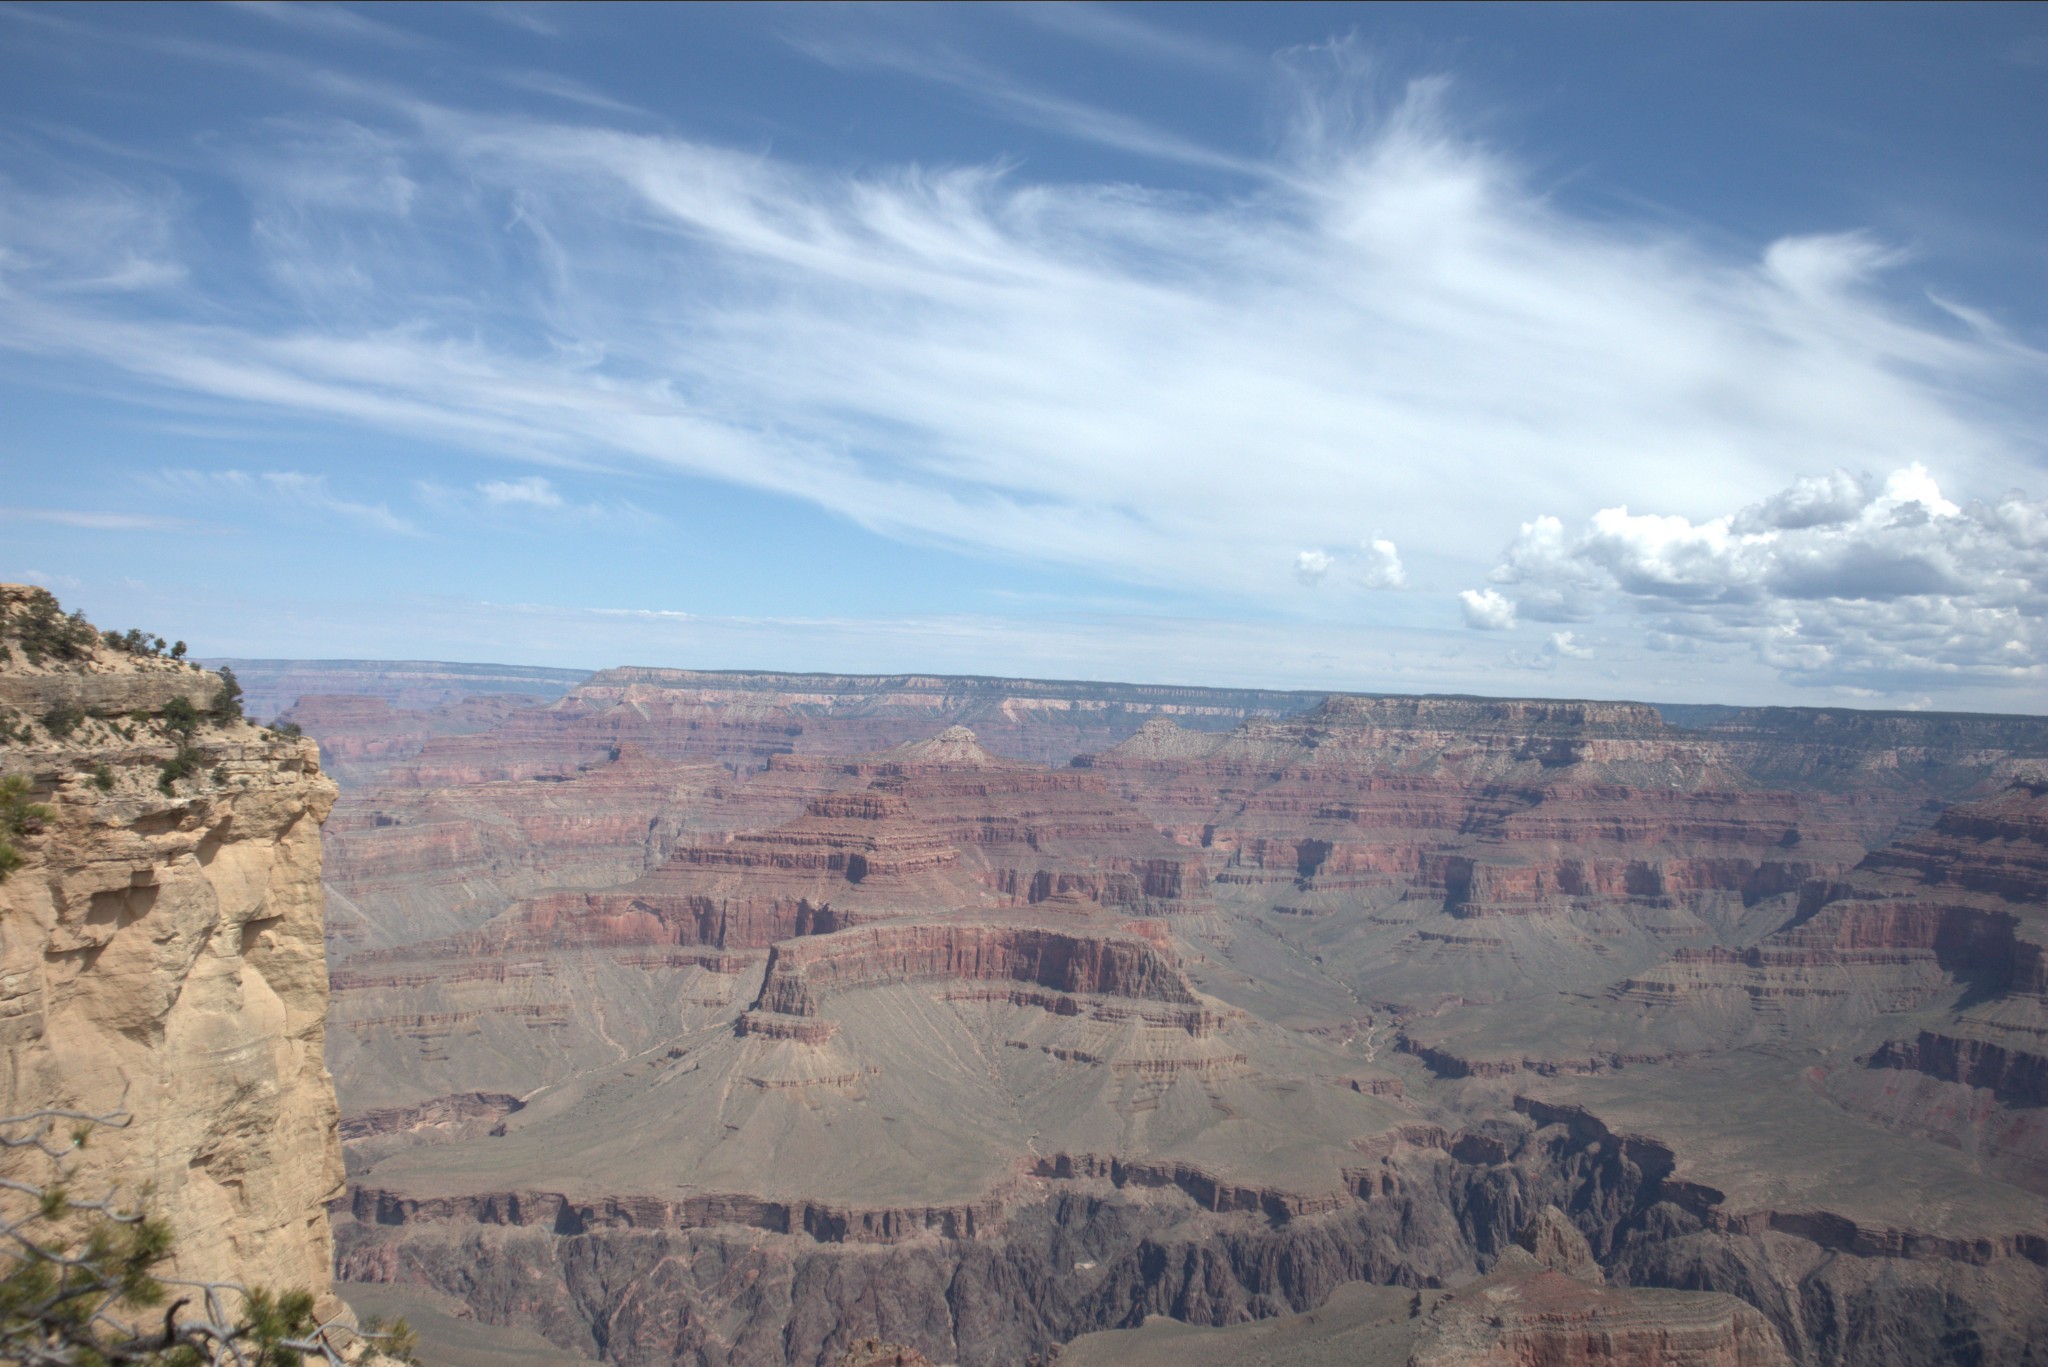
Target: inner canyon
[
  {"x": 691, "y": 1018},
  {"x": 699, "y": 1017}
]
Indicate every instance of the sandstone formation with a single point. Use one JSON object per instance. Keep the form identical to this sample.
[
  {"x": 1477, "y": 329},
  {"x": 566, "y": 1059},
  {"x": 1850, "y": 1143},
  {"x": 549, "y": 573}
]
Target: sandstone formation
[
  {"x": 160, "y": 949},
  {"x": 720, "y": 1018}
]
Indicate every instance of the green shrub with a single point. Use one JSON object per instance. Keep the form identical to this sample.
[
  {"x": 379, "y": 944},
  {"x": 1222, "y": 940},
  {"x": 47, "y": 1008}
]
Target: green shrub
[
  {"x": 18, "y": 816},
  {"x": 61, "y": 720},
  {"x": 290, "y": 730},
  {"x": 70, "y": 1269},
  {"x": 184, "y": 764},
  {"x": 228, "y": 706},
  {"x": 181, "y": 716},
  {"x": 395, "y": 1338},
  {"x": 43, "y": 632},
  {"x": 103, "y": 778}
]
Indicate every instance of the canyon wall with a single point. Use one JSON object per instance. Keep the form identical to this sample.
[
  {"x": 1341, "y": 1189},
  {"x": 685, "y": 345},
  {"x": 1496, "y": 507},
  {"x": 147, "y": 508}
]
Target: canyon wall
[
  {"x": 881, "y": 1026},
  {"x": 161, "y": 957}
]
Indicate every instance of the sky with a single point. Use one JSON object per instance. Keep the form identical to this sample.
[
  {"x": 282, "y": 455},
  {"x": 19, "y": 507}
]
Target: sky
[{"x": 1686, "y": 353}]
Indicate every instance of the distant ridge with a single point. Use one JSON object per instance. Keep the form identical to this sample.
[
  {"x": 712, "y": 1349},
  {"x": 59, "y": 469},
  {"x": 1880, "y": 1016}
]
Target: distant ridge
[
  {"x": 785, "y": 681},
  {"x": 271, "y": 686}
]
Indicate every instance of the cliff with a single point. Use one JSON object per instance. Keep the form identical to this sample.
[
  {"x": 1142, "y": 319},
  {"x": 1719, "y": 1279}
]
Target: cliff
[{"x": 160, "y": 945}]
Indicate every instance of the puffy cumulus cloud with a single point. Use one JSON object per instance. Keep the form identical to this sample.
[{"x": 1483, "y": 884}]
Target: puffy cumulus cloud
[
  {"x": 1487, "y": 609},
  {"x": 1313, "y": 567},
  {"x": 1382, "y": 568},
  {"x": 1374, "y": 564},
  {"x": 1838, "y": 578}
]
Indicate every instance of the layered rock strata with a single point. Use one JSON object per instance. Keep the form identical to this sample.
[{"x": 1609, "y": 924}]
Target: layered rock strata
[
  {"x": 160, "y": 953},
  {"x": 980, "y": 1055},
  {"x": 1543, "y": 1304},
  {"x": 745, "y": 718}
]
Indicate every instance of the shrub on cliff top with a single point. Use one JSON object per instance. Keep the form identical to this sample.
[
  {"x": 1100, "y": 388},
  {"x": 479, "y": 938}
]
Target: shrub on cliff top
[{"x": 41, "y": 629}]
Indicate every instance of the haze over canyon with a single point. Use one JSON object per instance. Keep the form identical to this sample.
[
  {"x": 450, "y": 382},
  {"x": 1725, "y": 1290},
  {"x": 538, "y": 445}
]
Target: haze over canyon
[{"x": 701, "y": 1017}]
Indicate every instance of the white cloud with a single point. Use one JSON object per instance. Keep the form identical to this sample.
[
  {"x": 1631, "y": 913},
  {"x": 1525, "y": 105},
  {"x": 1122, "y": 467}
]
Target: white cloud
[
  {"x": 44, "y": 580},
  {"x": 1375, "y": 564},
  {"x": 1833, "y": 579},
  {"x": 88, "y": 520},
  {"x": 1566, "y": 644},
  {"x": 1487, "y": 610},
  {"x": 1313, "y": 567},
  {"x": 1384, "y": 325},
  {"x": 328, "y": 21},
  {"x": 533, "y": 497},
  {"x": 532, "y": 491},
  {"x": 280, "y": 489},
  {"x": 1382, "y": 569}
]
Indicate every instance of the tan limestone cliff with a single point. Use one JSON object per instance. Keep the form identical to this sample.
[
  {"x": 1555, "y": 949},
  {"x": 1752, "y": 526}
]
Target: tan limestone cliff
[{"x": 160, "y": 954}]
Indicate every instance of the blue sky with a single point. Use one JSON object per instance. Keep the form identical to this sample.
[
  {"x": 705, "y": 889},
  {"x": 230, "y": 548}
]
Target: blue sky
[{"x": 1689, "y": 353}]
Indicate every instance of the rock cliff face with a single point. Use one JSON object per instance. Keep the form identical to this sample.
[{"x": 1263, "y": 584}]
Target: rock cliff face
[
  {"x": 1543, "y": 1305},
  {"x": 743, "y": 719},
  {"x": 160, "y": 948}
]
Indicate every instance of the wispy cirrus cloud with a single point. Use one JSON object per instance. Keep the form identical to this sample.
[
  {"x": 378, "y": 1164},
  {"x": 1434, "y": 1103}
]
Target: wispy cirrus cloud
[
  {"x": 285, "y": 490},
  {"x": 536, "y": 497},
  {"x": 329, "y": 21},
  {"x": 88, "y": 520},
  {"x": 1386, "y": 325},
  {"x": 1123, "y": 32}
]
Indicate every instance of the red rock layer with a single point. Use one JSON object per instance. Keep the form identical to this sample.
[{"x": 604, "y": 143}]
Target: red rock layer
[
  {"x": 924, "y": 835},
  {"x": 746, "y": 719},
  {"x": 802, "y": 973},
  {"x": 1499, "y": 808},
  {"x": 1547, "y": 1318},
  {"x": 363, "y": 738}
]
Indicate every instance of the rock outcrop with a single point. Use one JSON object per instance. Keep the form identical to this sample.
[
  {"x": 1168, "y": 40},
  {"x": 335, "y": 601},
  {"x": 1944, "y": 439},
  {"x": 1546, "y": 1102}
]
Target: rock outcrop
[{"x": 160, "y": 948}]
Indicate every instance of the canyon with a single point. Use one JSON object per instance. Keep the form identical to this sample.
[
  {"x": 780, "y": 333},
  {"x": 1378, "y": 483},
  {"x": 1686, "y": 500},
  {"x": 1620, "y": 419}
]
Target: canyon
[
  {"x": 687, "y": 1017},
  {"x": 697, "y": 1017}
]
